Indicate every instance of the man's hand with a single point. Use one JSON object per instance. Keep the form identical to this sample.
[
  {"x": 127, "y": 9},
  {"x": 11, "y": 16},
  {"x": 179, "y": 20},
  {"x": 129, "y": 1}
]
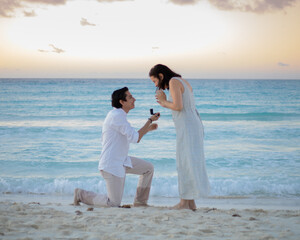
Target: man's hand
[
  {"x": 149, "y": 126},
  {"x": 152, "y": 127},
  {"x": 155, "y": 117}
]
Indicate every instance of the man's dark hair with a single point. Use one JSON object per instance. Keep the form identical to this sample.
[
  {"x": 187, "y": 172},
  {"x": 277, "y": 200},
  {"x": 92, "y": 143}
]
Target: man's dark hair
[{"x": 117, "y": 95}]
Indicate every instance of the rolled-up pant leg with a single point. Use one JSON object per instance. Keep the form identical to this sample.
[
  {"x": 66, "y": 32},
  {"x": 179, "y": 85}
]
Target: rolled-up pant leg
[
  {"x": 115, "y": 189},
  {"x": 145, "y": 170}
]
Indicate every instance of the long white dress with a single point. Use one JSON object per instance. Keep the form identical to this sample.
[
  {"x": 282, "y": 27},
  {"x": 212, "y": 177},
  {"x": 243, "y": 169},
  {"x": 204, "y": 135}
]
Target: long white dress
[{"x": 190, "y": 161}]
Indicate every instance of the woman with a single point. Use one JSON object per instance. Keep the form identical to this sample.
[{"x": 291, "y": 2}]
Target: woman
[{"x": 192, "y": 177}]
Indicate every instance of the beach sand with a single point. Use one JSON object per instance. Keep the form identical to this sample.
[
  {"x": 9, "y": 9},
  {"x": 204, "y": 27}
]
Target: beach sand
[{"x": 44, "y": 217}]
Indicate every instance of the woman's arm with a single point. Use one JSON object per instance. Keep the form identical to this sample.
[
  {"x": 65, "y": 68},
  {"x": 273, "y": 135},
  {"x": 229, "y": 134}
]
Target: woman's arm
[{"x": 176, "y": 90}]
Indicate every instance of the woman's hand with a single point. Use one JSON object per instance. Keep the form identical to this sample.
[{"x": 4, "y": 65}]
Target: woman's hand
[
  {"x": 161, "y": 97},
  {"x": 176, "y": 90}
]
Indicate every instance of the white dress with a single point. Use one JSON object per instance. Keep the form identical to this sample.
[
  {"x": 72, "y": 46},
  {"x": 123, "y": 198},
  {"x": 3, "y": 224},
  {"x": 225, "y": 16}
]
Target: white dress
[{"x": 190, "y": 161}]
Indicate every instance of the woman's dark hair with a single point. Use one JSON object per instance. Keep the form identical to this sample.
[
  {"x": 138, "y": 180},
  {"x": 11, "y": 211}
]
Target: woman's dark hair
[
  {"x": 166, "y": 72},
  {"x": 117, "y": 95}
]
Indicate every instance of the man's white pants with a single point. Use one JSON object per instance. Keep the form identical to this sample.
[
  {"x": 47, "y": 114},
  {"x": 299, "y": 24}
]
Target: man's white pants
[{"x": 115, "y": 186}]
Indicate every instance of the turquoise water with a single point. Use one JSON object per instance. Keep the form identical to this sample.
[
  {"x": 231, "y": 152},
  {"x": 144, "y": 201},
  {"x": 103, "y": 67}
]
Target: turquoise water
[{"x": 50, "y": 136}]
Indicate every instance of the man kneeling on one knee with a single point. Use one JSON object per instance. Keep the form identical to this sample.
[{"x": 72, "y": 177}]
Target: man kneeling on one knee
[{"x": 115, "y": 163}]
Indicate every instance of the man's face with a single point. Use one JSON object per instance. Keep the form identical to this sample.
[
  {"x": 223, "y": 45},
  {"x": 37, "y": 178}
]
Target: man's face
[{"x": 129, "y": 103}]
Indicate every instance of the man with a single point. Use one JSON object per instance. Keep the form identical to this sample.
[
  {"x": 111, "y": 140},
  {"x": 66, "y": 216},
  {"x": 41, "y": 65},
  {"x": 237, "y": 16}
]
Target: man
[{"x": 114, "y": 163}]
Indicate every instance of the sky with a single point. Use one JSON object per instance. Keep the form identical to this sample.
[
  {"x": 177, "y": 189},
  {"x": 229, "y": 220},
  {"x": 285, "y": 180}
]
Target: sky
[{"x": 206, "y": 39}]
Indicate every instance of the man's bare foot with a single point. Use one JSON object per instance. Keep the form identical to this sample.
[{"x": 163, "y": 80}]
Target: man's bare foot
[{"x": 76, "y": 199}]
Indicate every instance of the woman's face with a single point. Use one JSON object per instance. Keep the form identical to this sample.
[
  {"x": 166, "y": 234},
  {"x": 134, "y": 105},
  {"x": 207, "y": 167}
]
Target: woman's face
[{"x": 155, "y": 80}]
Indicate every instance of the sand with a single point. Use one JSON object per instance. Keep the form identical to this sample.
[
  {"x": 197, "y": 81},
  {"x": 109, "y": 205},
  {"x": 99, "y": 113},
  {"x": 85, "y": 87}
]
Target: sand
[{"x": 40, "y": 217}]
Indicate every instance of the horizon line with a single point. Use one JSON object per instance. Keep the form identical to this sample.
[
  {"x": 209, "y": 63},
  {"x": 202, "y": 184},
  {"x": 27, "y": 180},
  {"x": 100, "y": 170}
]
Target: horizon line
[{"x": 137, "y": 78}]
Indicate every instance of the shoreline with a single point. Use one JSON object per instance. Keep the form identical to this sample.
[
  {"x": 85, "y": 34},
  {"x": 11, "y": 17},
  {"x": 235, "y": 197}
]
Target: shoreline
[
  {"x": 222, "y": 202},
  {"x": 32, "y": 216}
]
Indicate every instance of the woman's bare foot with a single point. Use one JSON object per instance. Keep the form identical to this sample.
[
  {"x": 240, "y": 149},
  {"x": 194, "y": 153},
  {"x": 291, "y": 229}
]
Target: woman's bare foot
[
  {"x": 192, "y": 205},
  {"x": 138, "y": 204},
  {"x": 76, "y": 199},
  {"x": 185, "y": 204}
]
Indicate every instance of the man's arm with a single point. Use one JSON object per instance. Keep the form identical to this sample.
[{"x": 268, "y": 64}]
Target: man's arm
[{"x": 148, "y": 126}]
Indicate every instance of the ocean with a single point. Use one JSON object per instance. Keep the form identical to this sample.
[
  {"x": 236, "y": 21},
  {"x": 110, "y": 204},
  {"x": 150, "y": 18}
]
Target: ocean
[{"x": 50, "y": 136}]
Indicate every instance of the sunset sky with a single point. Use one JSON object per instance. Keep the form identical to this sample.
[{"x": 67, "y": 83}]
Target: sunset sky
[{"x": 233, "y": 39}]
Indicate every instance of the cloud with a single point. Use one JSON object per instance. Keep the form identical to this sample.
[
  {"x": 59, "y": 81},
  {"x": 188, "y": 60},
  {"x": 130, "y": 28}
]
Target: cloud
[
  {"x": 29, "y": 14},
  {"x": 84, "y": 22},
  {"x": 281, "y": 64},
  {"x": 114, "y": 0},
  {"x": 51, "y": 2},
  {"x": 8, "y": 7},
  {"x": 256, "y": 6},
  {"x": 184, "y": 2},
  {"x": 54, "y": 49}
]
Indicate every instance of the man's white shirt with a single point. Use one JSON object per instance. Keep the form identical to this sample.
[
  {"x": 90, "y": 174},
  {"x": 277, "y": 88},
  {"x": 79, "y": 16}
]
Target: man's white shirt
[{"x": 117, "y": 134}]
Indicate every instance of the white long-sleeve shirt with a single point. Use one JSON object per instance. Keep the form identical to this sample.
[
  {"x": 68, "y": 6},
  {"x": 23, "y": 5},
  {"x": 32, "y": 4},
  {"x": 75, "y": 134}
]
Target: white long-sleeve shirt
[{"x": 117, "y": 134}]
